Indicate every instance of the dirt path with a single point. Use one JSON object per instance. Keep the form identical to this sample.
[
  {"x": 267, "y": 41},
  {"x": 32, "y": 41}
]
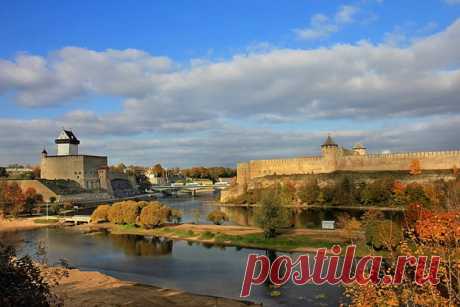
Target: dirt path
[{"x": 82, "y": 288}]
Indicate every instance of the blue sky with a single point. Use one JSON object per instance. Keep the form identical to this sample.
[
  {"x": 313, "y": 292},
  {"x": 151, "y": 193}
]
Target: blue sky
[{"x": 213, "y": 82}]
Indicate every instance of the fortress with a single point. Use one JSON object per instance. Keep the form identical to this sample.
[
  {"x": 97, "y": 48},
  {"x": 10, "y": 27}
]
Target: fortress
[{"x": 337, "y": 158}]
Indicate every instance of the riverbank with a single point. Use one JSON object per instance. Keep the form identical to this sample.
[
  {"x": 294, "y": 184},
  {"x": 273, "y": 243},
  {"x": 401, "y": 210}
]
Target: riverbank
[
  {"x": 20, "y": 224},
  {"x": 83, "y": 288},
  {"x": 289, "y": 240}
]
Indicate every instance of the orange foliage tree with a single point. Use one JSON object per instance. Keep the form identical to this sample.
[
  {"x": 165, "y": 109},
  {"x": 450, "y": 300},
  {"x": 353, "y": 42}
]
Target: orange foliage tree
[{"x": 415, "y": 168}]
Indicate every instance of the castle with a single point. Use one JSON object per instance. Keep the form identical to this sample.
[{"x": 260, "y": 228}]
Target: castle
[
  {"x": 88, "y": 171},
  {"x": 337, "y": 158}
]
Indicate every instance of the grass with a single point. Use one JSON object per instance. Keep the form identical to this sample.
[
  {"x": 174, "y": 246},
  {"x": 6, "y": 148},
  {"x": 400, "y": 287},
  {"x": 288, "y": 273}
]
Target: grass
[{"x": 46, "y": 221}]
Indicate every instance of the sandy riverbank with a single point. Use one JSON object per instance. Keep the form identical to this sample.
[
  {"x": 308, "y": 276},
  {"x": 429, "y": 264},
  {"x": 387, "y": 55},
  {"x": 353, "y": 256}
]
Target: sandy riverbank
[
  {"x": 21, "y": 224},
  {"x": 83, "y": 288}
]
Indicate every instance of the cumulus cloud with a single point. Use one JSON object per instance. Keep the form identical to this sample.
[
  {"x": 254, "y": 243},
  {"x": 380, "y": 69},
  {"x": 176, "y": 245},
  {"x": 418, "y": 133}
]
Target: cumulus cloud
[{"x": 361, "y": 82}]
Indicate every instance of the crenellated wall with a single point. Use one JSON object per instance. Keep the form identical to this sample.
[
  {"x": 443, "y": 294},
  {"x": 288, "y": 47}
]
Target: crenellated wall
[{"x": 432, "y": 160}]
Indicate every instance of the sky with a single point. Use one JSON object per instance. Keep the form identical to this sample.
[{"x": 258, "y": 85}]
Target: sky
[{"x": 186, "y": 83}]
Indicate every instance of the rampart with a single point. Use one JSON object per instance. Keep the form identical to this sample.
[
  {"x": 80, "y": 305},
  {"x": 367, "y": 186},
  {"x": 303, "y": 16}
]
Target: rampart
[{"x": 336, "y": 160}]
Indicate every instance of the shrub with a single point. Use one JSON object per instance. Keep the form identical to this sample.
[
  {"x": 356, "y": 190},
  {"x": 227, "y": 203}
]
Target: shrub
[
  {"x": 154, "y": 215},
  {"x": 217, "y": 217},
  {"x": 384, "y": 234},
  {"x": 115, "y": 213},
  {"x": 176, "y": 216},
  {"x": 131, "y": 210},
  {"x": 21, "y": 283},
  {"x": 100, "y": 214}
]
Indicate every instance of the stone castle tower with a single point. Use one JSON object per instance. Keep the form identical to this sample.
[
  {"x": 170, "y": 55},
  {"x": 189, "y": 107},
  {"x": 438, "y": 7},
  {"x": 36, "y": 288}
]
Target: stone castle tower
[{"x": 67, "y": 143}]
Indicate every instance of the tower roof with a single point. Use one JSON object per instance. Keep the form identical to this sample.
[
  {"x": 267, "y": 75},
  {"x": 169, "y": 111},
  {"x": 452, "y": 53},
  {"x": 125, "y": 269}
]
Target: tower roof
[
  {"x": 329, "y": 142},
  {"x": 359, "y": 146},
  {"x": 67, "y": 137}
]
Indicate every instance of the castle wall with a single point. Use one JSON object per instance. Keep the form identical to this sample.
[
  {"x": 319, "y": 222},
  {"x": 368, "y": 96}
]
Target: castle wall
[
  {"x": 440, "y": 160},
  {"x": 82, "y": 169}
]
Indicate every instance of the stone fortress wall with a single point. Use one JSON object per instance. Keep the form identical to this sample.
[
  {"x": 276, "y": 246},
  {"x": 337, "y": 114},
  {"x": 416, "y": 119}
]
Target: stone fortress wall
[{"x": 335, "y": 158}]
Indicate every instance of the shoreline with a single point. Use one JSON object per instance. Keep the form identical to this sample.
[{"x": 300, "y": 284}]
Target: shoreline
[
  {"x": 293, "y": 240},
  {"x": 23, "y": 224},
  {"x": 93, "y": 288}
]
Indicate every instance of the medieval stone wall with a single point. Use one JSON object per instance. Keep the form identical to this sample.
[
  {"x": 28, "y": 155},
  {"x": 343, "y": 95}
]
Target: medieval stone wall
[{"x": 440, "y": 160}]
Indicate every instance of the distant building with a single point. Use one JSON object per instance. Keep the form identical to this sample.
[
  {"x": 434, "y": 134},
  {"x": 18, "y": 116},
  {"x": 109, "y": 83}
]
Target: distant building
[{"x": 153, "y": 177}]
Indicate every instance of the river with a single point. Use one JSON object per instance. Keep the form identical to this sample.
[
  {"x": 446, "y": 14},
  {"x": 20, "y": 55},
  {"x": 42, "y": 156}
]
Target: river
[{"x": 193, "y": 267}]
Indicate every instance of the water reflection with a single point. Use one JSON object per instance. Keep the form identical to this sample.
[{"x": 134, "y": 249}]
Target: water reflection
[
  {"x": 133, "y": 245},
  {"x": 194, "y": 267}
]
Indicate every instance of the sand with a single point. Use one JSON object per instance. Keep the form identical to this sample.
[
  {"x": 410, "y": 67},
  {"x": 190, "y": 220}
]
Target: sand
[{"x": 82, "y": 288}]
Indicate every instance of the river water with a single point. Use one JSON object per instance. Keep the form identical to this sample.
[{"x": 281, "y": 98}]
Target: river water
[{"x": 193, "y": 267}]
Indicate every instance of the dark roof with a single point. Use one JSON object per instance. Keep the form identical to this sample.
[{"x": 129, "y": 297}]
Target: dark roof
[
  {"x": 44, "y": 151},
  {"x": 329, "y": 142},
  {"x": 72, "y": 139}
]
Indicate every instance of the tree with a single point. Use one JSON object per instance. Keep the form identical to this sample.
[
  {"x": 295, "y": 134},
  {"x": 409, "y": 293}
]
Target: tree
[
  {"x": 196, "y": 215},
  {"x": 32, "y": 198},
  {"x": 21, "y": 283},
  {"x": 415, "y": 168},
  {"x": 384, "y": 234},
  {"x": 271, "y": 215},
  {"x": 101, "y": 214},
  {"x": 154, "y": 215},
  {"x": 309, "y": 192},
  {"x": 351, "y": 228},
  {"x": 3, "y": 172},
  {"x": 14, "y": 199},
  {"x": 176, "y": 216},
  {"x": 158, "y": 170},
  {"x": 217, "y": 217}
]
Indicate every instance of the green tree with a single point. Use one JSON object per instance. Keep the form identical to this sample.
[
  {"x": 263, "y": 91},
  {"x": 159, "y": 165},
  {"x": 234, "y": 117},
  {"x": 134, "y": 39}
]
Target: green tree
[
  {"x": 309, "y": 192},
  {"x": 3, "y": 172},
  {"x": 272, "y": 215}
]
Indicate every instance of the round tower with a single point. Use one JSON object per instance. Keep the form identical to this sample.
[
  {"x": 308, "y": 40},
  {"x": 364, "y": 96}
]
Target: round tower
[
  {"x": 330, "y": 151},
  {"x": 359, "y": 149}
]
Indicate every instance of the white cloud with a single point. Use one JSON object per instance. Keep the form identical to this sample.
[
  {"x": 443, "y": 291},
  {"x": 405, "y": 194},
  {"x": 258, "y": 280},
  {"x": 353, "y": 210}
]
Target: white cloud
[
  {"x": 322, "y": 26},
  {"x": 452, "y": 2},
  {"x": 362, "y": 81}
]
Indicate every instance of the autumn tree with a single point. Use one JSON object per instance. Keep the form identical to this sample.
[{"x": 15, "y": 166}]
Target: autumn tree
[
  {"x": 415, "y": 168},
  {"x": 217, "y": 217}
]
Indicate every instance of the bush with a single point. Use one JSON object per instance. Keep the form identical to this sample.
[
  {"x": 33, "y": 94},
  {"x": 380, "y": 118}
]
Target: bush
[
  {"x": 176, "y": 216},
  {"x": 125, "y": 212},
  {"x": 154, "y": 215},
  {"x": 217, "y": 217},
  {"x": 384, "y": 234},
  {"x": 101, "y": 214},
  {"x": 115, "y": 213},
  {"x": 21, "y": 283}
]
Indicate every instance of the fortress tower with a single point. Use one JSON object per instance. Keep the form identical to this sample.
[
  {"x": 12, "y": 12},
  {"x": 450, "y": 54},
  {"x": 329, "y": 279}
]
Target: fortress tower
[
  {"x": 330, "y": 151},
  {"x": 67, "y": 143}
]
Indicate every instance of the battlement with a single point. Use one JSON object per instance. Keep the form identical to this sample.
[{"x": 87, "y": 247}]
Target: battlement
[{"x": 334, "y": 159}]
